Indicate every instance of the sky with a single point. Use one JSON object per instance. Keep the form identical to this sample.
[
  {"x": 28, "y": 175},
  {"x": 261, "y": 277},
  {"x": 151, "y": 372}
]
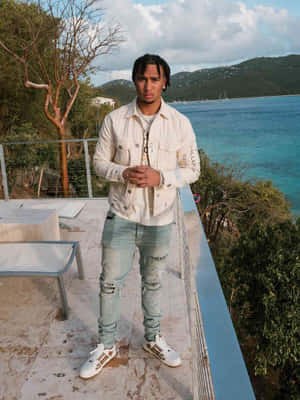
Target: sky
[{"x": 196, "y": 34}]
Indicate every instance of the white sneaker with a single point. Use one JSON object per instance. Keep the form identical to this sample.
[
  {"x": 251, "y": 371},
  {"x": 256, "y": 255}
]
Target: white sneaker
[
  {"x": 98, "y": 358},
  {"x": 160, "y": 349}
]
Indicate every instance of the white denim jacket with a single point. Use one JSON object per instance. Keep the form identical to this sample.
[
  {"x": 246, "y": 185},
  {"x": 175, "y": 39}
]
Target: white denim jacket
[{"x": 172, "y": 150}]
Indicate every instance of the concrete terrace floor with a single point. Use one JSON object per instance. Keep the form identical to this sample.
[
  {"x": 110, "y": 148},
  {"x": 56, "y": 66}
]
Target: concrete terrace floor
[{"x": 40, "y": 354}]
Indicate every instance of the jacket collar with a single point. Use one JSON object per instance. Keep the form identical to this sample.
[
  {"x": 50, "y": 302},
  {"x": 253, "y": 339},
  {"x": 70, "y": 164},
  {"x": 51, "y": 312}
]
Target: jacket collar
[{"x": 132, "y": 109}]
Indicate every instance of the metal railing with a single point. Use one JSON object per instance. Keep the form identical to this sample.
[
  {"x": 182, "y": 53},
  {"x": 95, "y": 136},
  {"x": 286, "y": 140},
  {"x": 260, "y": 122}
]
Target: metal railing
[{"x": 32, "y": 169}]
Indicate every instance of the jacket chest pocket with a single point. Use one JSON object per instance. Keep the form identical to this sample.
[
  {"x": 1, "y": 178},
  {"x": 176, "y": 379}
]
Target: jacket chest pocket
[
  {"x": 167, "y": 156},
  {"x": 122, "y": 154}
]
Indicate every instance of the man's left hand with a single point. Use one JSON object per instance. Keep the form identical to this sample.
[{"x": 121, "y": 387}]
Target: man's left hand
[{"x": 144, "y": 176}]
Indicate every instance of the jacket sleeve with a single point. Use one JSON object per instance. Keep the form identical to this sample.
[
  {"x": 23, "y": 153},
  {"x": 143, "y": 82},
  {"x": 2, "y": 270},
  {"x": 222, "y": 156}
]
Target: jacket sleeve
[
  {"x": 188, "y": 161},
  {"x": 104, "y": 154}
]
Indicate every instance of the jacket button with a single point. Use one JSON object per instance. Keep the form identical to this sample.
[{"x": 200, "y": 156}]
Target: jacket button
[
  {"x": 169, "y": 185},
  {"x": 129, "y": 191},
  {"x": 120, "y": 147},
  {"x": 157, "y": 194},
  {"x": 125, "y": 207},
  {"x": 137, "y": 145}
]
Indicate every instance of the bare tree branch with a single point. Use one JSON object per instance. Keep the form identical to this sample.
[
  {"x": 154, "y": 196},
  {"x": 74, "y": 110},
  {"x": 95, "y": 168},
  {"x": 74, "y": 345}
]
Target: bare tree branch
[{"x": 36, "y": 85}]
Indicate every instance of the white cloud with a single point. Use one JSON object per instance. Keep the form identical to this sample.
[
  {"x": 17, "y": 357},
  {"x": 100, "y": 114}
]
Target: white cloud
[
  {"x": 121, "y": 74},
  {"x": 199, "y": 33}
]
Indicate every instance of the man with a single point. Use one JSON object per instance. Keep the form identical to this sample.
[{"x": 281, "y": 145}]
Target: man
[{"x": 146, "y": 149}]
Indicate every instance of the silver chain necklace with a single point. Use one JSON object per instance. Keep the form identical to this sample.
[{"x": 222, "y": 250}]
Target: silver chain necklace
[{"x": 146, "y": 129}]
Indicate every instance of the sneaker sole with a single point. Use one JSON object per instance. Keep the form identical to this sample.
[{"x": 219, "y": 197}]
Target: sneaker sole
[
  {"x": 156, "y": 356},
  {"x": 98, "y": 372}
]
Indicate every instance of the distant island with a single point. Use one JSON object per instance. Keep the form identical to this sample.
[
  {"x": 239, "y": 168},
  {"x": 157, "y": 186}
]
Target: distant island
[{"x": 263, "y": 76}]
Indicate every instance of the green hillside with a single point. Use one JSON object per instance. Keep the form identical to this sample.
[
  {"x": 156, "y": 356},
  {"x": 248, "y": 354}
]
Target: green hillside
[
  {"x": 119, "y": 89},
  {"x": 253, "y": 78}
]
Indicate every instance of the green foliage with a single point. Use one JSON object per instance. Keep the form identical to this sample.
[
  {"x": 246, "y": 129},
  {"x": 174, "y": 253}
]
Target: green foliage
[
  {"x": 256, "y": 249},
  {"x": 230, "y": 205},
  {"x": 85, "y": 119},
  {"x": 17, "y": 103},
  {"x": 264, "y": 270},
  {"x": 28, "y": 155}
]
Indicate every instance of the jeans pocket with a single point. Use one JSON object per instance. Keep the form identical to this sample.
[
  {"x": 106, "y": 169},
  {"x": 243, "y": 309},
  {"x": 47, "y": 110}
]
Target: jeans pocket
[{"x": 110, "y": 215}]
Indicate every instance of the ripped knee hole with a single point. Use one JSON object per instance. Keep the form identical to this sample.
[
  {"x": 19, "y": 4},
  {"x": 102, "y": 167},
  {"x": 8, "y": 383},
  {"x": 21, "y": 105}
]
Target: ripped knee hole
[
  {"x": 158, "y": 258},
  {"x": 151, "y": 286},
  {"x": 108, "y": 288}
]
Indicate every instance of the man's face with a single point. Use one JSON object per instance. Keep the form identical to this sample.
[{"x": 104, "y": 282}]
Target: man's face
[{"x": 150, "y": 84}]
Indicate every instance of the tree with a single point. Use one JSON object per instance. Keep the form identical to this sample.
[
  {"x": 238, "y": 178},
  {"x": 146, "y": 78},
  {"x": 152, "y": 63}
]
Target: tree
[
  {"x": 18, "y": 104},
  {"x": 56, "y": 48}
]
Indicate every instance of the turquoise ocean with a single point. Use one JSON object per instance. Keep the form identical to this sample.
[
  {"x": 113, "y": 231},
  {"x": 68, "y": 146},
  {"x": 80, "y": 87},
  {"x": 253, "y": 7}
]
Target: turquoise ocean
[{"x": 262, "y": 133}]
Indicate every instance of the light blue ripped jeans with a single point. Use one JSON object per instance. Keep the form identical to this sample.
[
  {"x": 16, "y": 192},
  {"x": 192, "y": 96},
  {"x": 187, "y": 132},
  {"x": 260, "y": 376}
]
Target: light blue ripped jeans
[{"x": 119, "y": 240}]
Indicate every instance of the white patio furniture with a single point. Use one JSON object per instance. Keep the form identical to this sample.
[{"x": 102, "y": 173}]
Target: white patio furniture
[{"x": 41, "y": 258}]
